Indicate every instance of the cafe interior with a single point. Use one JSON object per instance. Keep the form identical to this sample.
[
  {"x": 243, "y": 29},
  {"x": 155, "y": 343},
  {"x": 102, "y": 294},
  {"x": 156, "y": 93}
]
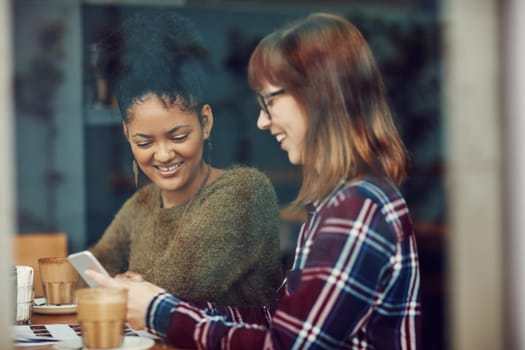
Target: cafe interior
[{"x": 456, "y": 83}]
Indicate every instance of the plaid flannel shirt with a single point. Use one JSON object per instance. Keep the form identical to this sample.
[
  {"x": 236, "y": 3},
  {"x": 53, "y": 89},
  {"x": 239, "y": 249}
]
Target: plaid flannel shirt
[{"x": 354, "y": 285}]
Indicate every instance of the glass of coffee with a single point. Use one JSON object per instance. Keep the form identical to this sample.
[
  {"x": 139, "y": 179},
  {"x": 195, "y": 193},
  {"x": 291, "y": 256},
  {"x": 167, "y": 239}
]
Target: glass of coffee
[
  {"x": 59, "y": 280},
  {"x": 101, "y": 313}
]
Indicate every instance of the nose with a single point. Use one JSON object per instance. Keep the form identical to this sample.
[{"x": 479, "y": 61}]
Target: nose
[
  {"x": 164, "y": 153},
  {"x": 263, "y": 122}
]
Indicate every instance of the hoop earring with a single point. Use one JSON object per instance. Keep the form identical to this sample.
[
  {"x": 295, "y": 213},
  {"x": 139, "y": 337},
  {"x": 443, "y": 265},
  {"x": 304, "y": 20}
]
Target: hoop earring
[
  {"x": 135, "y": 169},
  {"x": 208, "y": 141}
]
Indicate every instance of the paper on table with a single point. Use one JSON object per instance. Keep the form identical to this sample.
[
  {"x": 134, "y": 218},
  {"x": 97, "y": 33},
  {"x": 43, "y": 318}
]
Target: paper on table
[
  {"x": 36, "y": 334},
  {"x": 55, "y": 332}
]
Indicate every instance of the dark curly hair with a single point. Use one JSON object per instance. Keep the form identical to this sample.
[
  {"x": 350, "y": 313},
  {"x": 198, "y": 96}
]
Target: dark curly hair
[{"x": 154, "y": 52}]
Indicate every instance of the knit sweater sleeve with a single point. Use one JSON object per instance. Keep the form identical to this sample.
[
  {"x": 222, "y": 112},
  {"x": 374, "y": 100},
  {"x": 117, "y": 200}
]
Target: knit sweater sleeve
[
  {"x": 113, "y": 248},
  {"x": 231, "y": 245}
]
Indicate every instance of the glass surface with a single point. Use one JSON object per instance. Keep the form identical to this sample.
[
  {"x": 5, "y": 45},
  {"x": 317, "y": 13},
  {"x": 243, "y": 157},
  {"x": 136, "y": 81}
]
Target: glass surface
[{"x": 101, "y": 313}]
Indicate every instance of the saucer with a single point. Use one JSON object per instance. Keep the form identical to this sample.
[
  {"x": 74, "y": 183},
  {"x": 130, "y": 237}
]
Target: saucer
[
  {"x": 40, "y": 306},
  {"x": 130, "y": 343}
]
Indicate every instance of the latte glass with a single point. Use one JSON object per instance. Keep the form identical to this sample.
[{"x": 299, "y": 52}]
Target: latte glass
[
  {"x": 59, "y": 280},
  {"x": 101, "y": 313}
]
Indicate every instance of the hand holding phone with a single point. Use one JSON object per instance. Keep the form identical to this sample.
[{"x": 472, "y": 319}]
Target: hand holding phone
[{"x": 84, "y": 260}]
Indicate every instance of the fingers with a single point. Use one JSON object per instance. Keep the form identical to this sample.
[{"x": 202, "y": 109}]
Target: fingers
[
  {"x": 139, "y": 293},
  {"x": 131, "y": 276},
  {"x": 102, "y": 280},
  {"x": 136, "y": 324}
]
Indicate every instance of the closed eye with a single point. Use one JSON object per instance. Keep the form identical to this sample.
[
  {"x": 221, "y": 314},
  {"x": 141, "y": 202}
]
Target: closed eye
[
  {"x": 143, "y": 144},
  {"x": 179, "y": 138}
]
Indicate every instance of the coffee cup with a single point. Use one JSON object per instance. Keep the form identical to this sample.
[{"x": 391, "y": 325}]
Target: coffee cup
[
  {"x": 101, "y": 313},
  {"x": 59, "y": 280},
  {"x": 23, "y": 279}
]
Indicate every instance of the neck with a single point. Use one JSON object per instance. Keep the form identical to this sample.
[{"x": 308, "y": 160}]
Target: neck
[{"x": 173, "y": 199}]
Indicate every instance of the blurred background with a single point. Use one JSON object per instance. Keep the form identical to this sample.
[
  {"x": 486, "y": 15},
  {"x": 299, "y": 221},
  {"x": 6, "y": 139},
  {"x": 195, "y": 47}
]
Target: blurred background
[{"x": 452, "y": 87}]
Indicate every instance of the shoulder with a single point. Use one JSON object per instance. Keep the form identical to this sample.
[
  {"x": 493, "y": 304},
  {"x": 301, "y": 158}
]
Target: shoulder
[
  {"x": 242, "y": 185},
  {"x": 379, "y": 191},
  {"x": 146, "y": 196},
  {"x": 245, "y": 178},
  {"x": 374, "y": 199}
]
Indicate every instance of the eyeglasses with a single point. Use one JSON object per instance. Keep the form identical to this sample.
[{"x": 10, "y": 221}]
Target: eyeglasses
[{"x": 263, "y": 101}]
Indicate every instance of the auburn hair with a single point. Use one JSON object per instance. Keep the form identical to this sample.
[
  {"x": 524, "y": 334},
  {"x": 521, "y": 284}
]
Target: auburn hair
[{"x": 325, "y": 63}]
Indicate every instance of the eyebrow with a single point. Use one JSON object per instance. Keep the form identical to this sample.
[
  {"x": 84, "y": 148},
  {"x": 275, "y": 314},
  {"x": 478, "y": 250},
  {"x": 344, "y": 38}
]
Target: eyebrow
[{"x": 146, "y": 136}]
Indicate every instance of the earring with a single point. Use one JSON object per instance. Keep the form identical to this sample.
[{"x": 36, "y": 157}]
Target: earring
[
  {"x": 135, "y": 169},
  {"x": 208, "y": 141}
]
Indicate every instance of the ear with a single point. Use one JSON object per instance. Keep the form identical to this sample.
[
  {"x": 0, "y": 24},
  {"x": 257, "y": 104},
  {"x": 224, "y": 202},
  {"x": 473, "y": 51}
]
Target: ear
[{"x": 206, "y": 115}]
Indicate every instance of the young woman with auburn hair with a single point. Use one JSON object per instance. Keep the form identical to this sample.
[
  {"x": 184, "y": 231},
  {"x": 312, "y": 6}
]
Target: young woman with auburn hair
[{"x": 332, "y": 74}]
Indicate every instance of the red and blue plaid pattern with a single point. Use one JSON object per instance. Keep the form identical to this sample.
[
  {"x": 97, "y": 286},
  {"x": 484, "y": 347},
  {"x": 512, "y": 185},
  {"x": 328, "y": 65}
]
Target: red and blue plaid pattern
[{"x": 354, "y": 285}]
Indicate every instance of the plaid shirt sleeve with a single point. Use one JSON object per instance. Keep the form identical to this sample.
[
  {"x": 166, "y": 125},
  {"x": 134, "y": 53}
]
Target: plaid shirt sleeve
[{"x": 354, "y": 284}]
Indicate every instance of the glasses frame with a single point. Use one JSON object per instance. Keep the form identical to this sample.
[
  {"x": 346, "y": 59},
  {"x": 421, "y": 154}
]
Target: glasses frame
[{"x": 262, "y": 100}]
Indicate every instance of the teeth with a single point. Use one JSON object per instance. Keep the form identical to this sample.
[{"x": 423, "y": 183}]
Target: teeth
[
  {"x": 170, "y": 168},
  {"x": 279, "y": 137}
]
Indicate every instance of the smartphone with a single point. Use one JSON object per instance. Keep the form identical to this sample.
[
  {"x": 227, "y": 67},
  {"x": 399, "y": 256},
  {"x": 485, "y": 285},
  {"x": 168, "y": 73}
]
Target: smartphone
[{"x": 84, "y": 260}]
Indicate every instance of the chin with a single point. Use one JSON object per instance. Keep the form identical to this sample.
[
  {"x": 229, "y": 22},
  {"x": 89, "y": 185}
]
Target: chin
[
  {"x": 166, "y": 186},
  {"x": 293, "y": 160}
]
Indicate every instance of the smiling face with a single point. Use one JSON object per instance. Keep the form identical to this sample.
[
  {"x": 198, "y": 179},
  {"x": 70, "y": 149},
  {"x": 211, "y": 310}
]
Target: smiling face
[
  {"x": 288, "y": 123},
  {"x": 167, "y": 143}
]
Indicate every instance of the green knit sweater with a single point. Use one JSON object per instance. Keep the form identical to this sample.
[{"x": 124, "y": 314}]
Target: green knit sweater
[{"x": 225, "y": 249}]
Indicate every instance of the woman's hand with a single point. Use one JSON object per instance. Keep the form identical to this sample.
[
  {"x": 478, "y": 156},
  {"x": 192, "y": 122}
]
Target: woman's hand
[
  {"x": 130, "y": 275},
  {"x": 140, "y": 294}
]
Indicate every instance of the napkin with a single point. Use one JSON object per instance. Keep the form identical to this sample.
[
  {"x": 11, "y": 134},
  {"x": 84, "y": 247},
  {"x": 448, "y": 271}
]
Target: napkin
[{"x": 24, "y": 283}]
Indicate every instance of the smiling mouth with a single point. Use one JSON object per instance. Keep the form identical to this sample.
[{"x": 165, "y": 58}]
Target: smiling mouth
[{"x": 168, "y": 169}]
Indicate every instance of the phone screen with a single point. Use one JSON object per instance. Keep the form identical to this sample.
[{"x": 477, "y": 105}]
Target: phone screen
[{"x": 86, "y": 260}]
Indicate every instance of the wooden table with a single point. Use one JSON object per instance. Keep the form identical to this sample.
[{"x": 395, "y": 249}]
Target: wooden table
[{"x": 72, "y": 319}]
